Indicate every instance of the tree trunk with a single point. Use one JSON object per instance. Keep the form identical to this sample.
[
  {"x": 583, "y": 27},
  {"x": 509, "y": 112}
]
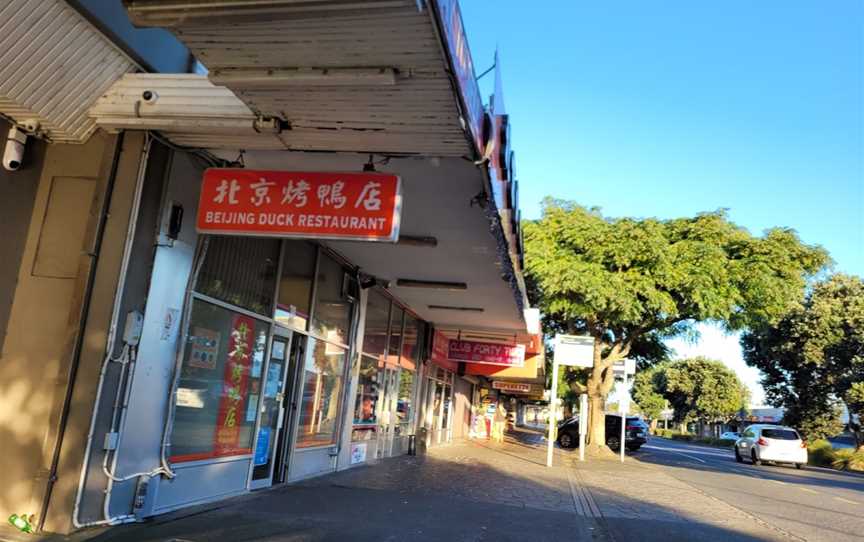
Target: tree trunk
[
  {"x": 682, "y": 427},
  {"x": 600, "y": 382},
  {"x": 654, "y": 422},
  {"x": 596, "y": 435}
]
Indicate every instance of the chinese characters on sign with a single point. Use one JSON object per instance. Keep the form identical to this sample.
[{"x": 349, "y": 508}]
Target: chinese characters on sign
[
  {"x": 440, "y": 354},
  {"x": 488, "y": 353},
  {"x": 226, "y": 440},
  {"x": 357, "y": 206}
]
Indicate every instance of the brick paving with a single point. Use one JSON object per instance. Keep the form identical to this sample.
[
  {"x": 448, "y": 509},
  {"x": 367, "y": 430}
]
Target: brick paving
[
  {"x": 472, "y": 491},
  {"x": 633, "y": 495},
  {"x": 512, "y": 473}
]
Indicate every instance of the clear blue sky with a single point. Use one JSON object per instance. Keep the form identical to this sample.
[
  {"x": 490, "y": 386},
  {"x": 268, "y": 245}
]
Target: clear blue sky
[{"x": 671, "y": 108}]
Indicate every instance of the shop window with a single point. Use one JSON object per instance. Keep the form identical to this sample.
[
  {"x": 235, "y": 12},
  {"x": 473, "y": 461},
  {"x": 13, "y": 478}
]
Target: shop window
[
  {"x": 295, "y": 284},
  {"x": 375, "y": 328},
  {"x": 332, "y": 313},
  {"x": 412, "y": 342},
  {"x": 405, "y": 405},
  {"x": 365, "y": 407},
  {"x": 322, "y": 387},
  {"x": 240, "y": 271},
  {"x": 396, "y": 321},
  {"x": 220, "y": 381}
]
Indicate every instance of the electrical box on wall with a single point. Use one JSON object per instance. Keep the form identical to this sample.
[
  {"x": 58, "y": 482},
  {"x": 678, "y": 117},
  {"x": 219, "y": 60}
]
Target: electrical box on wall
[
  {"x": 134, "y": 327},
  {"x": 172, "y": 223},
  {"x": 145, "y": 497}
]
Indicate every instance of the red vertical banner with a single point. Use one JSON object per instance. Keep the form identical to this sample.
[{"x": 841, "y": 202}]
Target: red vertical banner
[{"x": 235, "y": 380}]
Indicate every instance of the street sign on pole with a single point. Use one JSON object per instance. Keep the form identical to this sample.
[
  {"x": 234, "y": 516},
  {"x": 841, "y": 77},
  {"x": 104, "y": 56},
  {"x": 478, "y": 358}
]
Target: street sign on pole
[
  {"x": 623, "y": 405},
  {"x": 583, "y": 424},
  {"x": 574, "y": 350},
  {"x": 624, "y": 366},
  {"x": 553, "y": 399}
]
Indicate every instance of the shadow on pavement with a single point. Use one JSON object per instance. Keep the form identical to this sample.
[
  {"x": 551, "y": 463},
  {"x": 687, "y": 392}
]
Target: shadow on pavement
[
  {"x": 466, "y": 493},
  {"x": 770, "y": 471}
]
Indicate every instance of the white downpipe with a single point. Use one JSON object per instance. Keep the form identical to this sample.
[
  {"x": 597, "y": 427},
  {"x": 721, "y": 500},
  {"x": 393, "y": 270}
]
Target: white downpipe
[{"x": 112, "y": 337}]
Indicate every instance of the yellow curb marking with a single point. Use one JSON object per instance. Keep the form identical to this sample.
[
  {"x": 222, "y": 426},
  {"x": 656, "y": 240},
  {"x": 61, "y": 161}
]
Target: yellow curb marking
[
  {"x": 841, "y": 499},
  {"x": 808, "y": 490}
]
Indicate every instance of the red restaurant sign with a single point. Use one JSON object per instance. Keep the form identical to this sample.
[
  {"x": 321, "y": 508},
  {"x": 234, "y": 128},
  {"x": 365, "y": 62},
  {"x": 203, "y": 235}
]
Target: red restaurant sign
[
  {"x": 489, "y": 353},
  {"x": 356, "y": 206}
]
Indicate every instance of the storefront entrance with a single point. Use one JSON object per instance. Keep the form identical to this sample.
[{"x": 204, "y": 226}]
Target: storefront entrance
[
  {"x": 387, "y": 422},
  {"x": 274, "y": 434},
  {"x": 439, "y": 405}
]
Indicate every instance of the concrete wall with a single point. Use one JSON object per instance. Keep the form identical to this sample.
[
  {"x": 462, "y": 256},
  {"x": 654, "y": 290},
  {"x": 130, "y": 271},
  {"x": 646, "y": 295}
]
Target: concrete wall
[
  {"x": 17, "y": 195},
  {"x": 58, "y": 261}
]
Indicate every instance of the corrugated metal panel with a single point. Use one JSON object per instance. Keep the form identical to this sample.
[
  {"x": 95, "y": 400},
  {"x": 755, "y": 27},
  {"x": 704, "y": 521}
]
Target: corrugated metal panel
[
  {"x": 53, "y": 66},
  {"x": 188, "y": 109},
  {"x": 417, "y": 114}
]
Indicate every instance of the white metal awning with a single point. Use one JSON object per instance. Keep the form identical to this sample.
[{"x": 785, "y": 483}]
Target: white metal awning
[
  {"x": 53, "y": 66},
  {"x": 368, "y": 76}
]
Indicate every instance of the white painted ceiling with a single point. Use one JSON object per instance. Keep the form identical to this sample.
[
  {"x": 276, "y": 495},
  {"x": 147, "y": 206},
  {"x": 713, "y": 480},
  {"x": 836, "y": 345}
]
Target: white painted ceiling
[{"x": 435, "y": 203}]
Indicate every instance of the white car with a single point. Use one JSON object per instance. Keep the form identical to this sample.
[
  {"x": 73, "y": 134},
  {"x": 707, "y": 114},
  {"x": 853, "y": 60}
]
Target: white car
[
  {"x": 774, "y": 443},
  {"x": 730, "y": 435}
]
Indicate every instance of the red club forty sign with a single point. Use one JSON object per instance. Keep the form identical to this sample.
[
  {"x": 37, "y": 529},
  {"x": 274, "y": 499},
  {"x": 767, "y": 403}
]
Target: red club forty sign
[
  {"x": 356, "y": 206},
  {"x": 489, "y": 353}
]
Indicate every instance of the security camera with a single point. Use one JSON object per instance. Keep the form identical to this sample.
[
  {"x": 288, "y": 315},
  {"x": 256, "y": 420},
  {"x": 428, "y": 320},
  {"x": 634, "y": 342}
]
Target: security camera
[
  {"x": 13, "y": 156},
  {"x": 31, "y": 126},
  {"x": 149, "y": 97}
]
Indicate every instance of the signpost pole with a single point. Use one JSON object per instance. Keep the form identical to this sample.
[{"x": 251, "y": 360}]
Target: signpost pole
[
  {"x": 623, "y": 405},
  {"x": 553, "y": 388},
  {"x": 583, "y": 424}
]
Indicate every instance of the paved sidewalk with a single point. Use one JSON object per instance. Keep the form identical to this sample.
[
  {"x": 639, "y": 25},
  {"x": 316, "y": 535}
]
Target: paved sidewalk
[
  {"x": 468, "y": 491},
  {"x": 640, "y": 502}
]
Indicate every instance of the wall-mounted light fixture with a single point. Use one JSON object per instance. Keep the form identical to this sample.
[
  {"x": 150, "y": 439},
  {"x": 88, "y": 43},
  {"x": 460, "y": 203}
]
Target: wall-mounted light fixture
[
  {"x": 417, "y": 240},
  {"x": 431, "y": 284},
  {"x": 452, "y": 308}
]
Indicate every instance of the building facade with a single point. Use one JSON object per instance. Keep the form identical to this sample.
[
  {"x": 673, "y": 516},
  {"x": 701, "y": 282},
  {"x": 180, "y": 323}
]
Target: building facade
[{"x": 151, "y": 363}]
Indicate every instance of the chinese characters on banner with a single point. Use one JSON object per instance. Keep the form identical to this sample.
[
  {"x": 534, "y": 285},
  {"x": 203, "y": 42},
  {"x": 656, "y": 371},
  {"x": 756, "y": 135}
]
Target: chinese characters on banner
[
  {"x": 488, "y": 353},
  {"x": 440, "y": 354},
  {"x": 356, "y": 206},
  {"x": 226, "y": 440}
]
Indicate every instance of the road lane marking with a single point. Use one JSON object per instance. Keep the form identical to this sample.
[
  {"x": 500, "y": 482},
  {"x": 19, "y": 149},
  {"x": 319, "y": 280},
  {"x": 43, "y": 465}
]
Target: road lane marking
[
  {"x": 808, "y": 490},
  {"x": 689, "y": 451},
  {"x": 675, "y": 452},
  {"x": 670, "y": 450},
  {"x": 781, "y": 482},
  {"x": 847, "y": 501}
]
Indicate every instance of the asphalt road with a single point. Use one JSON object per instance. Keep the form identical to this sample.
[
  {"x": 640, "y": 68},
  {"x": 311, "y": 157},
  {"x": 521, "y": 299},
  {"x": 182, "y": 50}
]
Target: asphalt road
[{"x": 811, "y": 504}]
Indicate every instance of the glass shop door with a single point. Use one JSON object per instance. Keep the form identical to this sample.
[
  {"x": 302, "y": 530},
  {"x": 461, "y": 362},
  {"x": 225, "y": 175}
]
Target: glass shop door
[{"x": 273, "y": 413}]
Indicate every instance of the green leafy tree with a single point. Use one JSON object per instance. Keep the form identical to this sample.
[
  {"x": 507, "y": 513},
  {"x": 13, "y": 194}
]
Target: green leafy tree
[
  {"x": 701, "y": 390},
  {"x": 854, "y": 399},
  {"x": 813, "y": 358},
  {"x": 647, "y": 393},
  {"x": 630, "y": 283}
]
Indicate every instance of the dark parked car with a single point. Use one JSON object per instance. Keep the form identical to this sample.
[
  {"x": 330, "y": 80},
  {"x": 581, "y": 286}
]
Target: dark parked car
[{"x": 636, "y": 432}]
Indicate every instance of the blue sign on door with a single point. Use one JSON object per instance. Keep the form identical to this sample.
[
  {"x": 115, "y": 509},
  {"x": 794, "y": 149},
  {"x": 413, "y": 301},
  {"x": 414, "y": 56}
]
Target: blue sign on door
[{"x": 262, "y": 447}]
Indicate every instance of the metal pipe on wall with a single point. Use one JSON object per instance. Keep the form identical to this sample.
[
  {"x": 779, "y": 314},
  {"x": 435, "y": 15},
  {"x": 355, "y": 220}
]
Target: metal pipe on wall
[
  {"x": 112, "y": 335},
  {"x": 82, "y": 325}
]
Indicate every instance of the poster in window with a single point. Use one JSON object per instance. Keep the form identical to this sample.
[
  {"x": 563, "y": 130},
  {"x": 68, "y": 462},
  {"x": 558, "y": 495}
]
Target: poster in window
[
  {"x": 262, "y": 446},
  {"x": 235, "y": 381},
  {"x": 358, "y": 453},
  {"x": 205, "y": 348}
]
